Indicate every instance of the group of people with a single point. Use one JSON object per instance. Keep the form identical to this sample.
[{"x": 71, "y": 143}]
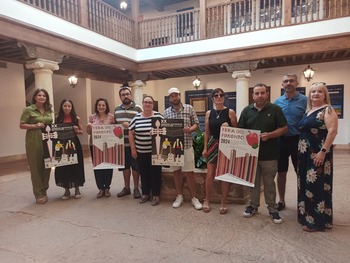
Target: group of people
[{"x": 295, "y": 126}]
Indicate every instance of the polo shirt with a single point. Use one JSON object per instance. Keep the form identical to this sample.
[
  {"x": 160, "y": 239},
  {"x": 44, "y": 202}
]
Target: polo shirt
[{"x": 267, "y": 119}]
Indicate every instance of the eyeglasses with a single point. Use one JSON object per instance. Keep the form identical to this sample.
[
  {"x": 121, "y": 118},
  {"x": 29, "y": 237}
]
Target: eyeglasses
[
  {"x": 148, "y": 102},
  {"x": 219, "y": 95},
  {"x": 124, "y": 94},
  {"x": 319, "y": 83},
  {"x": 289, "y": 80}
]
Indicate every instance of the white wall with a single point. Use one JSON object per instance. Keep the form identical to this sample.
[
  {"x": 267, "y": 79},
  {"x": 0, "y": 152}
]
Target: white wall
[
  {"x": 12, "y": 102},
  {"x": 84, "y": 95}
]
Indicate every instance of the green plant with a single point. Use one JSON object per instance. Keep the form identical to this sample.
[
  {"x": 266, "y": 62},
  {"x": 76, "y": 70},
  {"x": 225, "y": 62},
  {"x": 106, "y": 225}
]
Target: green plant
[{"x": 198, "y": 145}]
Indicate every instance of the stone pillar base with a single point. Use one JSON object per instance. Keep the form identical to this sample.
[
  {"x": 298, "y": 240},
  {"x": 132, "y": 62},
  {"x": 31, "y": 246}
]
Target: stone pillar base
[{"x": 238, "y": 194}]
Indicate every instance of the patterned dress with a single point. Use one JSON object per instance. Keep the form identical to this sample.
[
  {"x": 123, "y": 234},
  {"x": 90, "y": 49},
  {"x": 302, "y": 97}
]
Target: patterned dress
[{"x": 315, "y": 184}]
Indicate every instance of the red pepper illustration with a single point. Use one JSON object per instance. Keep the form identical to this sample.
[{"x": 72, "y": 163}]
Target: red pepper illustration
[
  {"x": 253, "y": 139},
  {"x": 118, "y": 132}
]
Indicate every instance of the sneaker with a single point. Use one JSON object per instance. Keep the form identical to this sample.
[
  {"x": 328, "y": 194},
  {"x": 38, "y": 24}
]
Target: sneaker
[
  {"x": 178, "y": 202},
  {"x": 276, "y": 218},
  {"x": 77, "y": 194},
  {"x": 66, "y": 195},
  {"x": 137, "y": 193},
  {"x": 124, "y": 192},
  {"x": 280, "y": 206},
  {"x": 249, "y": 211},
  {"x": 196, "y": 204}
]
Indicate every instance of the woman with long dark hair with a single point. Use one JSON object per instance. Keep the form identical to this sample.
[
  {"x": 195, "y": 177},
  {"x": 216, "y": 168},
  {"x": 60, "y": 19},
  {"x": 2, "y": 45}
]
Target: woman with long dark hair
[
  {"x": 35, "y": 117},
  {"x": 71, "y": 175}
]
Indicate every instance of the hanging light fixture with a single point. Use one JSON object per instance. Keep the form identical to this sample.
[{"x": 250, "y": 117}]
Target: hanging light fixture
[
  {"x": 73, "y": 80},
  {"x": 196, "y": 82},
  {"x": 123, "y": 5},
  {"x": 308, "y": 73}
]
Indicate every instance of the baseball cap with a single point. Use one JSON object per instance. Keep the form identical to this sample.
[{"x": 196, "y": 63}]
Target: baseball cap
[{"x": 173, "y": 90}]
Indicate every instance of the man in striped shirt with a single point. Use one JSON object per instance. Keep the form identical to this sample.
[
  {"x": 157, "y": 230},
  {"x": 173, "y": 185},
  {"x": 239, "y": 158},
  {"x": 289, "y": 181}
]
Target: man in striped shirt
[
  {"x": 188, "y": 114},
  {"x": 123, "y": 114}
]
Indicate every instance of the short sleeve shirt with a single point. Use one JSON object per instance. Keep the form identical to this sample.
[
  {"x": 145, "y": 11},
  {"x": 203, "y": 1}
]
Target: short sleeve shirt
[
  {"x": 267, "y": 119},
  {"x": 121, "y": 114},
  {"x": 294, "y": 110},
  {"x": 188, "y": 114}
]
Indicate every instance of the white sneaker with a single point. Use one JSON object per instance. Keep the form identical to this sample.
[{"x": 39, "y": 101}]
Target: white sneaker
[
  {"x": 178, "y": 202},
  {"x": 196, "y": 203}
]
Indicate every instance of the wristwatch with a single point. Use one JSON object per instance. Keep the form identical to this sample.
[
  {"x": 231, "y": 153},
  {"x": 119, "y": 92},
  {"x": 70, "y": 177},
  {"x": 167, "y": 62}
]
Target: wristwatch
[{"x": 323, "y": 150}]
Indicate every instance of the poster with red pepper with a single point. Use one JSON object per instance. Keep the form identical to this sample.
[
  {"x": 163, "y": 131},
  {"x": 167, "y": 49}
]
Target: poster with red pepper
[
  {"x": 238, "y": 155},
  {"x": 108, "y": 146}
]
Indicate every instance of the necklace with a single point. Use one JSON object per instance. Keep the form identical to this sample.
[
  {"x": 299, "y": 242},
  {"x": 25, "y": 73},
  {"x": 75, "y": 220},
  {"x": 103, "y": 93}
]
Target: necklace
[{"x": 218, "y": 114}]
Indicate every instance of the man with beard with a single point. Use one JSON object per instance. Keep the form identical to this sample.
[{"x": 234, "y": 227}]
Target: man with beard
[
  {"x": 293, "y": 105},
  {"x": 269, "y": 119},
  {"x": 123, "y": 114},
  {"x": 188, "y": 114}
]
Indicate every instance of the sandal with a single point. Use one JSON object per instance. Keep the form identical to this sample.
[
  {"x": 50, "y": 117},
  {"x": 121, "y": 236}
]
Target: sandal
[
  {"x": 41, "y": 201},
  {"x": 206, "y": 208},
  {"x": 223, "y": 210}
]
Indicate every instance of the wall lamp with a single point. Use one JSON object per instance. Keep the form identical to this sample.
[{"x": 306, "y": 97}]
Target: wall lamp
[
  {"x": 123, "y": 5},
  {"x": 196, "y": 82},
  {"x": 73, "y": 80},
  {"x": 308, "y": 73}
]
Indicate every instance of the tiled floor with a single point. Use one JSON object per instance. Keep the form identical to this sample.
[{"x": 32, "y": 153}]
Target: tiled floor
[{"x": 122, "y": 230}]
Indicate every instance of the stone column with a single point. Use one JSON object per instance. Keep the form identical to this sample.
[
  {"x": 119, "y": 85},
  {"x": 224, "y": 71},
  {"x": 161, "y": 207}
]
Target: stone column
[
  {"x": 137, "y": 91},
  {"x": 241, "y": 72},
  {"x": 242, "y": 89},
  {"x": 43, "y": 70}
]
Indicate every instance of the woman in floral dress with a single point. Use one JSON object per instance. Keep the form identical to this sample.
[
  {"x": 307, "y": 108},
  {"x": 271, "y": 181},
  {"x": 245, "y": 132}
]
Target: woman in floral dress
[{"x": 318, "y": 129}]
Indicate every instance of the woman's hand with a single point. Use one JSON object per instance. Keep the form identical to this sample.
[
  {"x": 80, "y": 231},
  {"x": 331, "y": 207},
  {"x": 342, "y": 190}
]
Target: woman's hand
[
  {"x": 204, "y": 153},
  {"x": 318, "y": 158}
]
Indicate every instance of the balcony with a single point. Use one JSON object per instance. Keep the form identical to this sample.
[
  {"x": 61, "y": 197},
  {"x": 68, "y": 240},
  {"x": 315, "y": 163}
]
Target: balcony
[{"x": 183, "y": 26}]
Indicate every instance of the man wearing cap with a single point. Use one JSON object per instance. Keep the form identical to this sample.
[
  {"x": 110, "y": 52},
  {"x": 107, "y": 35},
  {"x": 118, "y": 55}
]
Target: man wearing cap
[
  {"x": 188, "y": 114},
  {"x": 123, "y": 114}
]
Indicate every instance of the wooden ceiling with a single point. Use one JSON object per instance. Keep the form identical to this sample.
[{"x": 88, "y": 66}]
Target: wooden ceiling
[{"x": 190, "y": 66}]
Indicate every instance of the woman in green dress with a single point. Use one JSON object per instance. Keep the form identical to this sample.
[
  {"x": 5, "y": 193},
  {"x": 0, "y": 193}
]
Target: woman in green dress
[{"x": 35, "y": 117}]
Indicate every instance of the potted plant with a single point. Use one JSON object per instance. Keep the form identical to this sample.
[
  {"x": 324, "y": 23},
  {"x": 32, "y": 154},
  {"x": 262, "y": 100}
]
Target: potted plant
[{"x": 198, "y": 145}]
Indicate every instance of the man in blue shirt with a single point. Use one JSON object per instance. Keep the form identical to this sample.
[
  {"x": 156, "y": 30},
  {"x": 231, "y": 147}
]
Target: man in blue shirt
[{"x": 293, "y": 105}]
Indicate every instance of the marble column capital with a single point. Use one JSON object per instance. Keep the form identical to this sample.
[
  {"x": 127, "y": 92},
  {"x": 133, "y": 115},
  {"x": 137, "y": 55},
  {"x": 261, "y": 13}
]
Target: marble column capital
[
  {"x": 42, "y": 64},
  {"x": 138, "y": 84},
  {"x": 242, "y": 74}
]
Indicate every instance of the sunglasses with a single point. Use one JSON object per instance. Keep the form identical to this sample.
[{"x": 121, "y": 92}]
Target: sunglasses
[{"x": 219, "y": 95}]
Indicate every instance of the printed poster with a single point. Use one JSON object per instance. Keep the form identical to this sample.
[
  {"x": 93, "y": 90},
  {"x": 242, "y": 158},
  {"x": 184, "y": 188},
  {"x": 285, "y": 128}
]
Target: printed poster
[
  {"x": 108, "y": 146},
  {"x": 59, "y": 145},
  {"x": 167, "y": 142},
  {"x": 238, "y": 155}
]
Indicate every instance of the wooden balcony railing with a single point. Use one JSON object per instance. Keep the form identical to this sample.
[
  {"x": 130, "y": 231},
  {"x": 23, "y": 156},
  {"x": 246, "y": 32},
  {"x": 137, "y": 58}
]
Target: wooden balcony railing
[{"x": 235, "y": 17}]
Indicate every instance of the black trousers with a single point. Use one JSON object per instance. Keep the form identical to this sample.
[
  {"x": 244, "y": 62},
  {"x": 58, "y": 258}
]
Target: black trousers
[
  {"x": 103, "y": 177},
  {"x": 150, "y": 174}
]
